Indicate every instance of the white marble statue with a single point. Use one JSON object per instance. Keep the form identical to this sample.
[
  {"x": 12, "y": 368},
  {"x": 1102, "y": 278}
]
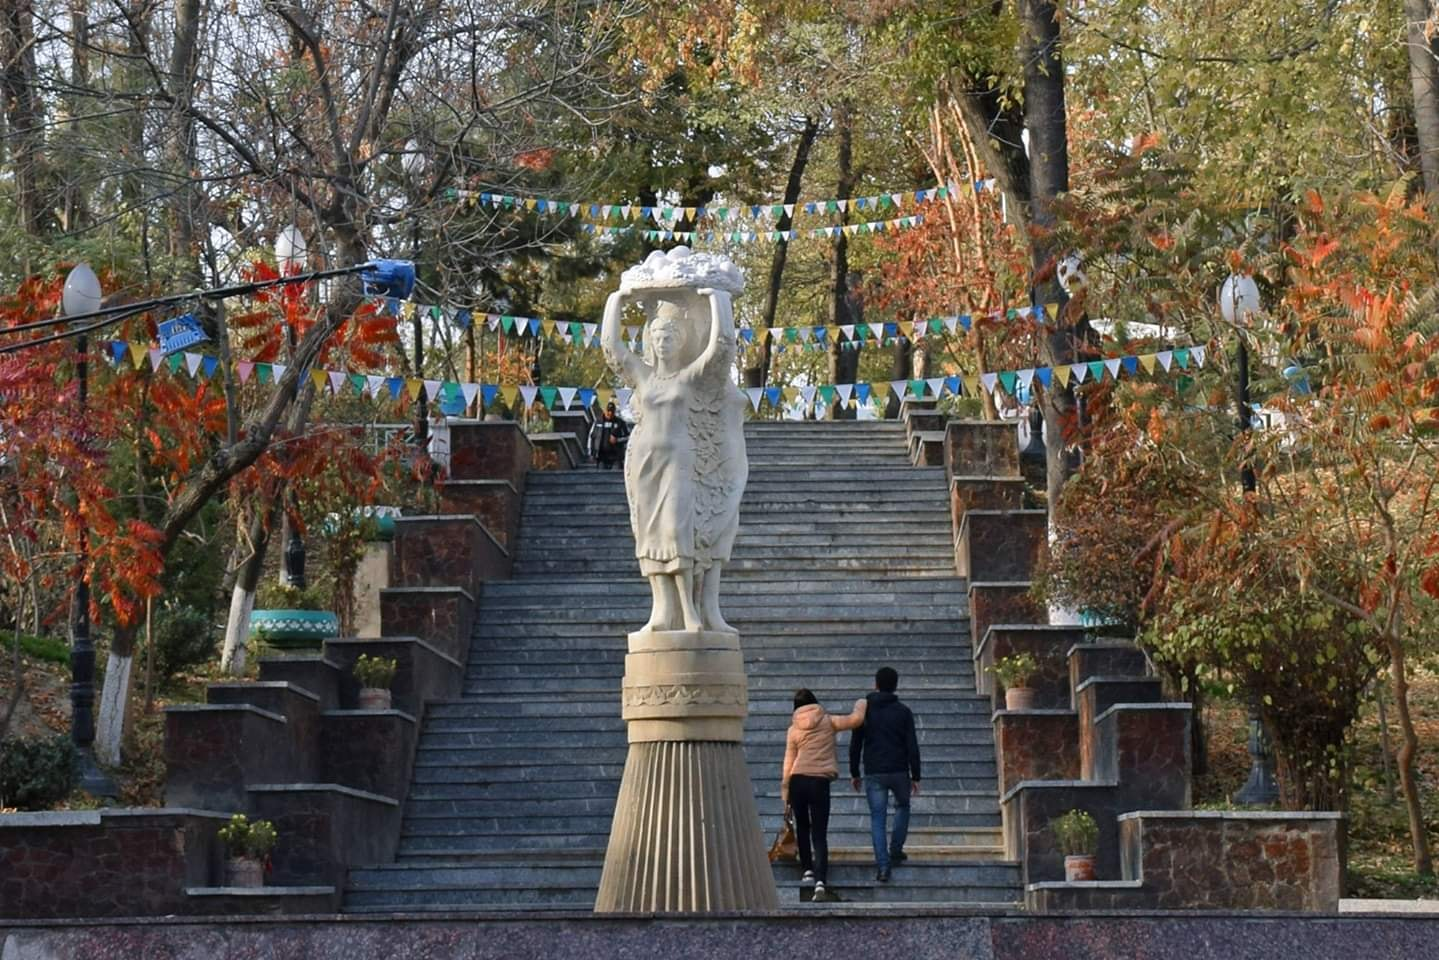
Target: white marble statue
[{"x": 686, "y": 467}]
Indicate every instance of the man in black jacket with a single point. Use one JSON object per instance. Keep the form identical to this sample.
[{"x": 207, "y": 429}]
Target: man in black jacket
[{"x": 890, "y": 751}]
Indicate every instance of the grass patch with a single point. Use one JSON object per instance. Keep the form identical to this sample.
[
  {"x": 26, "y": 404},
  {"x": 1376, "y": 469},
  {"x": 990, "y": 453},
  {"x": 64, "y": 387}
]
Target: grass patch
[{"x": 49, "y": 649}]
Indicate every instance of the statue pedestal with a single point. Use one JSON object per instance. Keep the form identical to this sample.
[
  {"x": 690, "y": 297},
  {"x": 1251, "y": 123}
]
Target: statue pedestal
[{"x": 686, "y": 834}]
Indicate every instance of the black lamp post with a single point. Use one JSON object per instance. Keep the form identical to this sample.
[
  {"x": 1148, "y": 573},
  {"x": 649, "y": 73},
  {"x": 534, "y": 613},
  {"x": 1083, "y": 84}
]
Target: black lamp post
[
  {"x": 82, "y": 296},
  {"x": 1239, "y": 300}
]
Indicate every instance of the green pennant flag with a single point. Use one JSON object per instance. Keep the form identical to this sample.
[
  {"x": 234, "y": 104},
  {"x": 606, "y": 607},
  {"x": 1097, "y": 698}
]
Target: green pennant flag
[
  {"x": 936, "y": 325},
  {"x": 667, "y": 213},
  {"x": 510, "y": 202},
  {"x": 861, "y": 330},
  {"x": 777, "y": 211},
  {"x": 507, "y": 324},
  {"x": 942, "y": 192},
  {"x": 826, "y": 395},
  {"x": 1181, "y": 357},
  {"x": 549, "y": 395},
  {"x": 916, "y": 389},
  {"x": 575, "y": 329},
  {"x": 1096, "y": 371},
  {"x": 357, "y": 380},
  {"x": 264, "y": 373},
  {"x": 1007, "y": 380},
  {"x": 174, "y": 360},
  {"x": 831, "y": 206},
  {"x": 791, "y": 334},
  {"x": 434, "y": 312},
  {"x": 1011, "y": 314},
  {"x": 885, "y": 202}
]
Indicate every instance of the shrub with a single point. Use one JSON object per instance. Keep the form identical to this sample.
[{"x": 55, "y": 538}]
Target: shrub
[
  {"x": 1015, "y": 670},
  {"x": 36, "y": 774},
  {"x": 49, "y": 649},
  {"x": 281, "y": 596},
  {"x": 246, "y": 839},
  {"x": 375, "y": 671},
  {"x": 1076, "y": 832},
  {"x": 184, "y": 637}
]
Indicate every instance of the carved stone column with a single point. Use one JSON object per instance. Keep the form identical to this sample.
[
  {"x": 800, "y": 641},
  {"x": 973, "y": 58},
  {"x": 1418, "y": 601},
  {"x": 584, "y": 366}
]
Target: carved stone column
[{"x": 686, "y": 834}]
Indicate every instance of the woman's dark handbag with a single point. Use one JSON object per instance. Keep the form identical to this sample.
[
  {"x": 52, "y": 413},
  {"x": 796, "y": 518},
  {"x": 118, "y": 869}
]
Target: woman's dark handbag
[{"x": 785, "y": 846}]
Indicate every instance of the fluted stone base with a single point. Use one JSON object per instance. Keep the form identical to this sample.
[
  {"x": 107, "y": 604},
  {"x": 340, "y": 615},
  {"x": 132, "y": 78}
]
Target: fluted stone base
[{"x": 686, "y": 834}]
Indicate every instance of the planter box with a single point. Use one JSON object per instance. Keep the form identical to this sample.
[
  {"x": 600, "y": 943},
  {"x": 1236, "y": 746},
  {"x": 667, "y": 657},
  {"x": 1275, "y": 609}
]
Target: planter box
[{"x": 294, "y": 629}]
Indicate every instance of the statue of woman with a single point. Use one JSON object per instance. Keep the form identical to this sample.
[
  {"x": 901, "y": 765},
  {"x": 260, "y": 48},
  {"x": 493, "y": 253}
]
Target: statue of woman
[{"x": 685, "y": 468}]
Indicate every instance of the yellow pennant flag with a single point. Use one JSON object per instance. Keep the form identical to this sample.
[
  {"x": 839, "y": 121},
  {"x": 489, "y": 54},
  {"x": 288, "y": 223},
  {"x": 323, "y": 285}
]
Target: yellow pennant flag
[
  {"x": 319, "y": 379},
  {"x": 880, "y": 389},
  {"x": 548, "y": 326},
  {"x": 413, "y": 387},
  {"x": 511, "y": 395},
  {"x": 791, "y": 394},
  {"x": 137, "y": 354},
  {"x": 689, "y": 213},
  {"x": 407, "y": 309},
  {"x": 530, "y": 203},
  {"x": 1147, "y": 361},
  {"x": 971, "y": 386},
  {"x": 604, "y": 395},
  {"x": 1061, "y": 373},
  {"x": 1052, "y": 309}
]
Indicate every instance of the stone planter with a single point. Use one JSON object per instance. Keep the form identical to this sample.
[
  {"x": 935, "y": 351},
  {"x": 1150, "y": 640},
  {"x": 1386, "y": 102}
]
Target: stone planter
[
  {"x": 1079, "y": 867},
  {"x": 374, "y": 698},
  {"x": 244, "y": 872},
  {"x": 1019, "y": 698},
  {"x": 294, "y": 629}
]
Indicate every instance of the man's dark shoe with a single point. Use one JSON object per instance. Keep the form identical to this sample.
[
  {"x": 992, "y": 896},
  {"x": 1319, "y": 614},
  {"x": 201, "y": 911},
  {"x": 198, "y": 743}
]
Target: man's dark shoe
[
  {"x": 883, "y": 875},
  {"x": 898, "y": 856}
]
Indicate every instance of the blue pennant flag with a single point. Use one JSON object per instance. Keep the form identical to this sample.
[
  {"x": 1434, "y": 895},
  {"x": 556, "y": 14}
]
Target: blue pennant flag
[
  {"x": 966, "y": 322},
  {"x": 861, "y": 390},
  {"x": 395, "y": 384},
  {"x": 587, "y": 398},
  {"x": 891, "y": 329},
  {"x": 488, "y": 393},
  {"x": 1130, "y": 364},
  {"x": 953, "y": 383},
  {"x": 463, "y": 317},
  {"x": 119, "y": 349},
  {"x": 1044, "y": 375},
  {"x": 747, "y": 335},
  {"x": 772, "y": 394},
  {"x": 209, "y": 365}
]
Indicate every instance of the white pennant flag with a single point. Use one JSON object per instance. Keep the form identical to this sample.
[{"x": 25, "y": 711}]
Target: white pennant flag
[
  {"x": 432, "y": 388},
  {"x": 528, "y": 393},
  {"x": 950, "y": 323},
  {"x": 777, "y": 333},
  {"x": 470, "y": 390},
  {"x": 192, "y": 362},
  {"x": 845, "y": 391},
  {"x": 848, "y": 330},
  {"x": 936, "y": 386},
  {"x": 1165, "y": 358},
  {"x": 493, "y": 319},
  {"x": 590, "y": 329},
  {"x": 988, "y": 380},
  {"x": 623, "y": 394},
  {"x": 842, "y": 205},
  {"x": 754, "y": 393},
  {"x": 1112, "y": 365},
  {"x": 1198, "y": 354},
  {"x": 156, "y": 358},
  {"x": 278, "y": 369},
  {"x": 898, "y": 388},
  {"x": 1079, "y": 371},
  {"x": 789, "y": 209},
  {"x": 337, "y": 381},
  {"x": 567, "y": 395},
  {"x": 807, "y": 395},
  {"x": 1026, "y": 378},
  {"x": 374, "y": 383}
]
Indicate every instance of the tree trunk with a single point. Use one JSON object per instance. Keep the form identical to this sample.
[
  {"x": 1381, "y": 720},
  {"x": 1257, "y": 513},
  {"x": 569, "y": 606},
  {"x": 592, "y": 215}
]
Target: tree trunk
[
  {"x": 757, "y": 374},
  {"x": 903, "y": 369},
  {"x": 23, "y": 114},
  {"x": 1423, "y": 53},
  {"x": 1408, "y": 750},
  {"x": 843, "y": 363},
  {"x": 185, "y": 215},
  {"x": 242, "y": 596},
  {"x": 1045, "y": 120}
]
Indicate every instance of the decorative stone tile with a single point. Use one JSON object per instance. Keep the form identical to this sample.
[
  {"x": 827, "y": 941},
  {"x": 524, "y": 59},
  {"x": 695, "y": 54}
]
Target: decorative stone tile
[
  {"x": 445, "y": 551},
  {"x": 443, "y": 617},
  {"x": 496, "y": 450},
  {"x": 996, "y": 545},
  {"x": 1036, "y": 745},
  {"x": 981, "y": 448}
]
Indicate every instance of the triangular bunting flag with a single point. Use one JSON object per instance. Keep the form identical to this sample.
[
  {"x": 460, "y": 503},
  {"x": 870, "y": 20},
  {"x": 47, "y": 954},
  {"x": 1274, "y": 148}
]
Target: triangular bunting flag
[
  {"x": 529, "y": 393},
  {"x": 317, "y": 379},
  {"x": 1198, "y": 353},
  {"x": 337, "y": 382},
  {"x": 278, "y": 369},
  {"x": 862, "y": 392},
  {"x": 192, "y": 363},
  {"x": 244, "y": 368},
  {"x": 1181, "y": 357},
  {"x": 622, "y": 396},
  {"x": 1045, "y": 376},
  {"x": 1096, "y": 370},
  {"x": 754, "y": 394},
  {"x": 1112, "y": 365},
  {"x": 772, "y": 394},
  {"x": 1061, "y": 373},
  {"x": 567, "y": 396},
  {"x": 988, "y": 380},
  {"x": 432, "y": 389},
  {"x": 488, "y": 393},
  {"x": 1025, "y": 377},
  {"x": 156, "y": 357},
  {"x": 1007, "y": 380},
  {"x": 845, "y": 391},
  {"x": 1147, "y": 361},
  {"x": 548, "y": 396},
  {"x": 936, "y": 386},
  {"x": 373, "y": 383},
  {"x": 512, "y": 396}
]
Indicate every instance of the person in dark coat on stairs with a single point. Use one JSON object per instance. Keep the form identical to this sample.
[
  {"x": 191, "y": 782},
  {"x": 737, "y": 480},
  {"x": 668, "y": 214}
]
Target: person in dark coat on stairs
[
  {"x": 810, "y": 763},
  {"x": 608, "y": 437},
  {"x": 889, "y": 748}
]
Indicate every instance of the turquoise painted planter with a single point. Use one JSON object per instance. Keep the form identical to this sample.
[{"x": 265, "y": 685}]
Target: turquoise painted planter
[{"x": 294, "y": 629}]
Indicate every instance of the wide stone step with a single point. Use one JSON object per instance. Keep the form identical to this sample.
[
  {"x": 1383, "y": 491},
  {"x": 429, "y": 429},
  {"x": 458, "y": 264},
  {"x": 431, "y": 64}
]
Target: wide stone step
[
  {"x": 926, "y": 703},
  {"x": 851, "y": 540},
  {"x": 762, "y": 674},
  {"x": 597, "y": 613},
  {"x": 432, "y": 755},
  {"x": 613, "y": 631},
  {"x": 949, "y": 645},
  {"x": 761, "y": 771},
  {"x": 496, "y": 823},
  {"x": 482, "y": 683},
  {"x": 843, "y": 803},
  {"x": 792, "y": 658},
  {"x": 567, "y": 837},
  {"x": 974, "y": 737},
  {"x": 537, "y": 729},
  {"x": 851, "y": 500},
  {"x": 581, "y": 511},
  {"x": 900, "y": 589},
  {"x": 516, "y": 789}
]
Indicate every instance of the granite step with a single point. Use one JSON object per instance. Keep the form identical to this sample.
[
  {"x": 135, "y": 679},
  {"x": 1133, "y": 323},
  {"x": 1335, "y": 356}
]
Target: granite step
[
  {"x": 843, "y": 802},
  {"x": 566, "y": 837},
  {"x": 515, "y": 788}
]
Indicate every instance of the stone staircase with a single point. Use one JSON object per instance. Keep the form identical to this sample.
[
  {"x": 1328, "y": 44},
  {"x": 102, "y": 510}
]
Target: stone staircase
[{"x": 844, "y": 563}]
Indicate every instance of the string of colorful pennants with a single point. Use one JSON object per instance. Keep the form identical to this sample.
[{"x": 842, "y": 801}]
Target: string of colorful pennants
[
  {"x": 819, "y": 336},
  {"x": 1016, "y": 383},
  {"x": 717, "y": 213}
]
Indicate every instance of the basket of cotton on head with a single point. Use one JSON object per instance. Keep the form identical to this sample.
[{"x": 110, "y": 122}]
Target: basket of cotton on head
[{"x": 682, "y": 269}]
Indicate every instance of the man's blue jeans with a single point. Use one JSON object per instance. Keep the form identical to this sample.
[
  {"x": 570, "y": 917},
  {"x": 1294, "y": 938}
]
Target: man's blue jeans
[{"x": 877, "y": 788}]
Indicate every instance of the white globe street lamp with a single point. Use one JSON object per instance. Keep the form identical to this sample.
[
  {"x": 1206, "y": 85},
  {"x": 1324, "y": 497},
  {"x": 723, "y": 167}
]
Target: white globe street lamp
[
  {"x": 1238, "y": 298},
  {"x": 290, "y": 249},
  {"x": 82, "y": 292}
]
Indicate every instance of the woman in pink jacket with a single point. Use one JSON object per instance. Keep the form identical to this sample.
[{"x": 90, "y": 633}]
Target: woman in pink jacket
[{"x": 809, "y": 766}]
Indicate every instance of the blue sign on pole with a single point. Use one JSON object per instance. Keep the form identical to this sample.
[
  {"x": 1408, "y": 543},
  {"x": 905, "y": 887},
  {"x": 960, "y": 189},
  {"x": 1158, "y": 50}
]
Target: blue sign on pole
[{"x": 179, "y": 333}]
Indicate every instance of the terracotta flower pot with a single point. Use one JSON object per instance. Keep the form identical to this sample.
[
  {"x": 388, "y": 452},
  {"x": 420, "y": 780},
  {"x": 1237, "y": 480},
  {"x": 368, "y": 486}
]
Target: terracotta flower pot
[
  {"x": 374, "y": 698},
  {"x": 1080, "y": 867},
  {"x": 1019, "y": 698},
  {"x": 244, "y": 872}
]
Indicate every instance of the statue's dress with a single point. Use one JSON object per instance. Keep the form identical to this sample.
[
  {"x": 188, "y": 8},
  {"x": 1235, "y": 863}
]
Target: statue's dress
[{"x": 685, "y": 469}]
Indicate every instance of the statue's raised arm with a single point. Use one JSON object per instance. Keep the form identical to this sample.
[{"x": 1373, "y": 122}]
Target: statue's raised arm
[
  {"x": 621, "y": 358},
  {"x": 719, "y": 350}
]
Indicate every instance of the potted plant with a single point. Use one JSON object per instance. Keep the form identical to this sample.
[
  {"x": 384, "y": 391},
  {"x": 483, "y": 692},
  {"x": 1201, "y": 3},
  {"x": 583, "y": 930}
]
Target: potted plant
[
  {"x": 249, "y": 845},
  {"x": 1014, "y": 672},
  {"x": 289, "y": 618},
  {"x": 374, "y": 675},
  {"x": 1078, "y": 838}
]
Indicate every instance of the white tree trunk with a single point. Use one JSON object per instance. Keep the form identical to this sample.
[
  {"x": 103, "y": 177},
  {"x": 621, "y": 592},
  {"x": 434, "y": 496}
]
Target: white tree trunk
[
  {"x": 110, "y": 722},
  {"x": 237, "y": 628}
]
